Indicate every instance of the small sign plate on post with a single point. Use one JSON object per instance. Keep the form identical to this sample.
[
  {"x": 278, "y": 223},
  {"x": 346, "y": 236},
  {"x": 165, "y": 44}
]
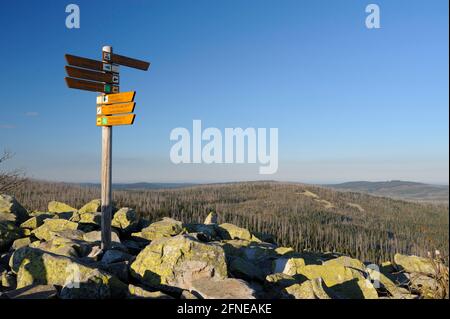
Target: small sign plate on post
[
  {"x": 110, "y": 68},
  {"x": 125, "y": 61},
  {"x": 127, "y": 119},
  {"x": 86, "y": 63},
  {"x": 123, "y": 97},
  {"x": 92, "y": 75},
  {"x": 91, "y": 86},
  {"x": 120, "y": 108}
]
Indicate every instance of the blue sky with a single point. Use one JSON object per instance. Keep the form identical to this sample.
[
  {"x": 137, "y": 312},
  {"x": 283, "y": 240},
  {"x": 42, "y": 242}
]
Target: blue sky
[{"x": 350, "y": 103}]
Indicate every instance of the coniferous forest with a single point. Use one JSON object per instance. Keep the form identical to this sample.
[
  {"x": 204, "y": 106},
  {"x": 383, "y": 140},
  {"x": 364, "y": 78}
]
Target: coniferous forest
[{"x": 301, "y": 216}]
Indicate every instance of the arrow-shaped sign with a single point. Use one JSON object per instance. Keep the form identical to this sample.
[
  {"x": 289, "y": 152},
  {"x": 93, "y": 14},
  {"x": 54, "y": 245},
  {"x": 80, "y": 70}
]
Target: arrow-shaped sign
[
  {"x": 92, "y": 75},
  {"x": 116, "y": 108},
  {"x": 116, "y": 98},
  {"x": 86, "y": 63},
  {"x": 115, "y": 120},
  {"x": 126, "y": 61},
  {"x": 91, "y": 86}
]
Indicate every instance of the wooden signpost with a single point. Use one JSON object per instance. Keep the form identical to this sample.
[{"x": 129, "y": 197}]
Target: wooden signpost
[{"x": 113, "y": 108}]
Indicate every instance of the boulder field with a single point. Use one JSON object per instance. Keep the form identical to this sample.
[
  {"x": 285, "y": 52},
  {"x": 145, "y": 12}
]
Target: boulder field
[{"x": 57, "y": 254}]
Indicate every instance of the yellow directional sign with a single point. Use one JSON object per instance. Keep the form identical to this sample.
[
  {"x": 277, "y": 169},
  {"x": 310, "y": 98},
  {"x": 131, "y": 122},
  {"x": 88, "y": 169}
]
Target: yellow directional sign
[
  {"x": 116, "y": 98},
  {"x": 120, "y": 108},
  {"x": 115, "y": 120}
]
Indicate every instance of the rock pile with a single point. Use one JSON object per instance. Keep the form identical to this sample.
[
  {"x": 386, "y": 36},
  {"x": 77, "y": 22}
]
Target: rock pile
[{"x": 57, "y": 254}]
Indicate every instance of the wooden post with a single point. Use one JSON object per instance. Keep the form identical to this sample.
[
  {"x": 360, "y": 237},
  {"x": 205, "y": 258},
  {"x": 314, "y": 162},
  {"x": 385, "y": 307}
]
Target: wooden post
[{"x": 106, "y": 181}]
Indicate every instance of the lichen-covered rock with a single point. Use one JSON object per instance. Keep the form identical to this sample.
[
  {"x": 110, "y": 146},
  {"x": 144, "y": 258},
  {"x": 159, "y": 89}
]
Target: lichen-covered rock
[
  {"x": 288, "y": 266},
  {"x": 44, "y": 232},
  {"x": 211, "y": 218},
  {"x": 7, "y": 280},
  {"x": 284, "y": 250},
  {"x": 4, "y": 260},
  {"x": 136, "y": 292},
  {"x": 356, "y": 288},
  {"x": 34, "y": 266},
  {"x": 382, "y": 282},
  {"x": 21, "y": 242},
  {"x": 119, "y": 269},
  {"x": 90, "y": 218},
  {"x": 96, "y": 236},
  {"x": 72, "y": 234},
  {"x": 387, "y": 267},
  {"x": 209, "y": 231},
  {"x": 427, "y": 287},
  {"x": 347, "y": 262},
  {"x": 11, "y": 210},
  {"x": 252, "y": 251},
  {"x": 33, "y": 292},
  {"x": 414, "y": 264},
  {"x": 64, "y": 247},
  {"x": 36, "y": 221},
  {"x": 93, "y": 206},
  {"x": 186, "y": 294},
  {"x": 230, "y": 231},
  {"x": 9, "y": 232},
  {"x": 345, "y": 281},
  {"x": 301, "y": 291},
  {"x": 227, "y": 288},
  {"x": 177, "y": 261},
  {"x": 58, "y": 207},
  {"x": 113, "y": 256},
  {"x": 242, "y": 268},
  {"x": 133, "y": 247},
  {"x": 280, "y": 280},
  {"x": 126, "y": 220},
  {"x": 310, "y": 289},
  {"x": 331, "y": 275},
  {"x": 166, "y": 227}
]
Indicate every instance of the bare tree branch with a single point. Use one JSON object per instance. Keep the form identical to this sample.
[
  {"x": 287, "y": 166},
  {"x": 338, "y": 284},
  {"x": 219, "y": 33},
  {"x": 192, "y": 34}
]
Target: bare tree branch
[{"x": 10, "y": 180}]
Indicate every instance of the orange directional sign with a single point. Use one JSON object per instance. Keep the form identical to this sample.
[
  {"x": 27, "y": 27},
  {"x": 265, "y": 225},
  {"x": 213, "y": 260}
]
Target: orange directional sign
[
  {"x": 92, "y": 75},
  {"x": 115, "y": 120},
  {"x": 116, "y": 108},
  {"x": 86, "y": 63},
  {"x": 91, "y": 86},
  {"x": 123, "y": 97},
  {"x": 126, "y": 61}
]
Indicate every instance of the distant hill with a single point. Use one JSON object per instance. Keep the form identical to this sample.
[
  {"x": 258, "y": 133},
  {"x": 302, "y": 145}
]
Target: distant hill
[{"x": 398, "y": 189}]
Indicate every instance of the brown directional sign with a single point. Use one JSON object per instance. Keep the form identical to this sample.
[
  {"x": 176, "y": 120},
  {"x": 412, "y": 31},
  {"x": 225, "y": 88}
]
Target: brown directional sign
[
  {"x": 92, "y": 75},
  {"x": 127, "y": 119},
  {"x": 90, "y": 64},
  {"x": 125, "y": 61},
  {"x": 116, "y": 108},
  {"x": 91, "y": 86},
  {"x": 116, "y": 98}
]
